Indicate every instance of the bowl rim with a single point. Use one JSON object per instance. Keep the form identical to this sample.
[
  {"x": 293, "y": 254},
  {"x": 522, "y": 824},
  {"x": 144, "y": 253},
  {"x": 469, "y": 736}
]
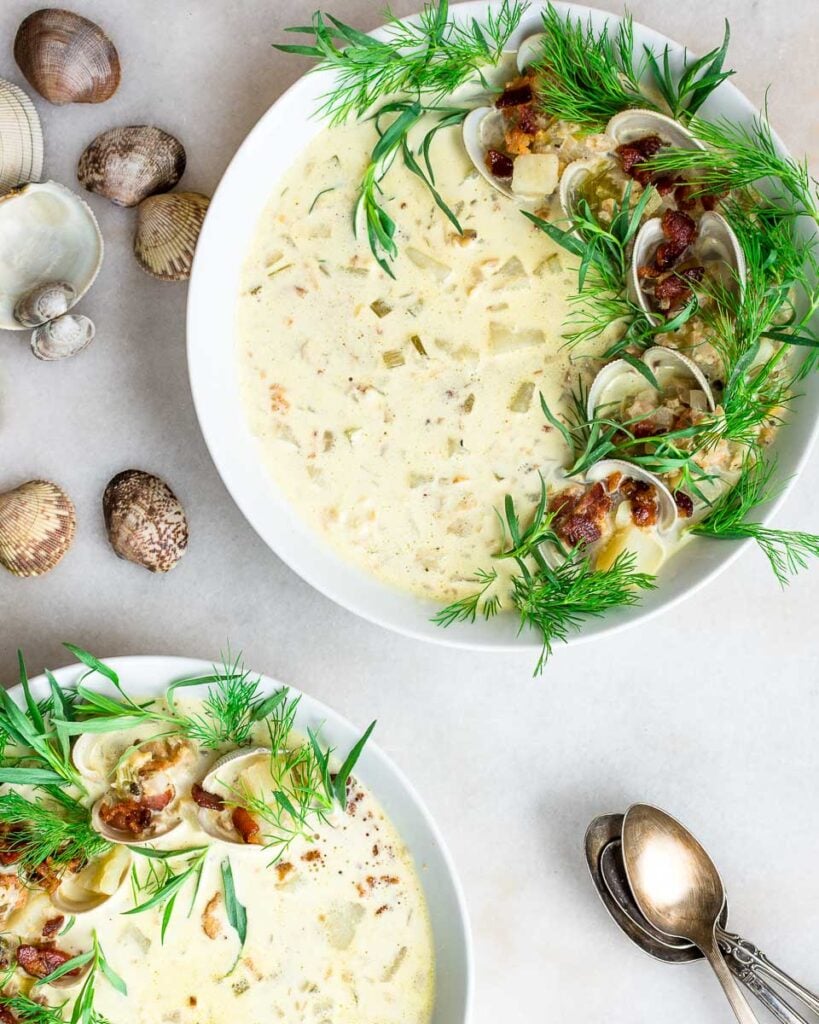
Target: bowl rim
[
  {"x": 467, "y": 636},
  {"x": 376, "y": 769}
]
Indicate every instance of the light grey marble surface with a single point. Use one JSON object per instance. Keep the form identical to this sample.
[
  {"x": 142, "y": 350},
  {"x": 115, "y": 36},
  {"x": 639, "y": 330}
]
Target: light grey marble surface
[{"x": 710, "y": 711}]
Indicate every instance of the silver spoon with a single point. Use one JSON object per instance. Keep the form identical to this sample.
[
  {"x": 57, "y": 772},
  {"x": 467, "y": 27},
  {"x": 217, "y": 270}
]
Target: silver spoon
[
  {"x": 678, "y": 889},
  {"x": 602, "y": 846}
]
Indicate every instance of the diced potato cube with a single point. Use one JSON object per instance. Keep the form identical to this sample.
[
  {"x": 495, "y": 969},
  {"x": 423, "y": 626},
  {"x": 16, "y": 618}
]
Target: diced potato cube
[
  {"x": 507, "y": 339},
  {"x": 535, "y": 174}
]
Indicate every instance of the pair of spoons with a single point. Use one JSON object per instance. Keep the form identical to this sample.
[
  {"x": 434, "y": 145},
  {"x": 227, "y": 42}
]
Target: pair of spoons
[{"x": 663, "y": 890}]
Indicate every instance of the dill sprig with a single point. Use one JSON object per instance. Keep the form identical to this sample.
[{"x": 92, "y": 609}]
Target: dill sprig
[
  {"x": 686, "y": 92},
  {"x": 83, "y": 1012},
  {"x": 162, "y": 882},
  {"x": 430, "y": 54},
  {"x": 787, "y": 551},
  {"x": 587, "y": 76},
  {"x": 28, "y": 1011},
  {"x": 53, "y": 829},
  {"x": 553, "y": 596}
]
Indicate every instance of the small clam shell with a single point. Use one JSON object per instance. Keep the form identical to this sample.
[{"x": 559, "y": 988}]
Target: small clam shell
[
  {"x": 37, "y": 525},
  {"x": 63, "y": 337},
  {"x": 530, "y": 51},
  {"x": 167, "y": 230},
  {"x": 715, "y": 244},
  {"x": 619, "y": 379},
  {"x": 163, "y": 825},
  {"x": 629, "y": 125},
  {"x": 44, "y": 302},
  {"x": 84, "y": 759},
  {"x": 48, "y": 235},
  {"x": 611, "y": 383},
  {"x": 483, "y": 130},
  {"x": 21, "y": 138},
  {"x": 221, "y": 779},
  {"x": 67, "y": 58},
  {"x": 573, "y": 178},
  {"x": 665, "y": 362},
  {"x": 95, "y": 884},
  {"x": 600, "y": 472},
  {"x": 126, "y": 165},
  {"x": 145, "y": 521}
]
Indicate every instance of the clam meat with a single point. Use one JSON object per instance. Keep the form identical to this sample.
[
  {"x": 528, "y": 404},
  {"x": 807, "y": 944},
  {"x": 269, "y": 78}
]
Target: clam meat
[
  {"x": 126, "y": 165},
  {"x": 232, "y": 783}
]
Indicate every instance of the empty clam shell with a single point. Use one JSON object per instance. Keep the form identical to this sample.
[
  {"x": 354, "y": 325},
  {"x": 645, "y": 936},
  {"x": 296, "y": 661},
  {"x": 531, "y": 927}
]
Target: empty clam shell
[
  {"x": 629, "y": 125},
  {"x": 167, "y": 230},
  {"x": 716, "y": 247},
  {"x": 530, "y": 51},
  {"x": 63, "y": 337},
  {"x": 162, "y": 825},
  {"x": 85, "y": 890},
  {"x": 67, "y": 58},
  {"x": 145, "y": 521},
  {"x": 47, "y": 235},
  {"x": 222, "y": 780},
  {"x": 619, "y": 379},
  {"x": 482, "y": 131},
  {"x": 37, "y": 525},
  {"x": 21, "y": 138},
  {"x": 44, "y": 302},
  {"x": 602, "y": 470},
  {"x": 126, "y": 165}
]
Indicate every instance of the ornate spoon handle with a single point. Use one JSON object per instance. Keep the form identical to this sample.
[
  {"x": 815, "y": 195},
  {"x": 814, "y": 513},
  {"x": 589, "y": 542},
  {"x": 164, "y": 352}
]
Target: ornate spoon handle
[
  {"x": 777, "y": 1006},
  {"x": 746, "y": 954}
]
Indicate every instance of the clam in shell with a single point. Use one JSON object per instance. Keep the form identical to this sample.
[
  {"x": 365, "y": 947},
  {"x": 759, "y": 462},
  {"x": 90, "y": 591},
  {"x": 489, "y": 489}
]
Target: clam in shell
[
  {"x": 37, "y": 526},
  {"x": 48, "y": 236},
  {"x": 167, "y": 231},
  {"x": 530, "y": 51},
  {"x": 67, "y": 58},
  {"x": 126, "y": 165},
  {"x": 97, "y": 882},
  {"x": 44, "y": 302},
  {"x": 145, "y": 521},
  {"x": 532, "y": 176},
  {"x": 21, "y": 138},
  {"x": 619, "y": 380},
  {"x": 636, "y": 123},
  {"x": 65, "y": 336},
  {"x": 223, "y": 782},
  {"x": 604, "y": 469}
]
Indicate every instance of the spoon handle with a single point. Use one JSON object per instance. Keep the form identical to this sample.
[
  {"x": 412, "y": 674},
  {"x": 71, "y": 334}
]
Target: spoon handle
[
  {"x": 769, "y": 998},
  {"x": 739, "y": 1004},
  {"x": 747, "y": 954}
]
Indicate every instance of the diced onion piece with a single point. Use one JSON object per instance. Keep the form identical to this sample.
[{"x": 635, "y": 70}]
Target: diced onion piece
[
  {"x": 535, "y": 174},
  {"x": 506, "y": 339},
  {"x": 393, "y": 358},
  {"x": 380, "y": 308}
]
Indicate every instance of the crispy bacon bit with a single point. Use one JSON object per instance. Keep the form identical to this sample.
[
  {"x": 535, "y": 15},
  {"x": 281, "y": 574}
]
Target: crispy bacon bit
[
  {"x": 645, "y": 507},
  {"x": 129, "y": 816},
  {"x": 211, "y": 918},
  {"x": 203, "y": 798},
  {"x": 46, "y": 877},
  {"x": 665, "y": 184},
  {"x": 11, "y": 846},
  {"x": 679, "y": 230},
  {"x": 40, "y": 961},
  {"x": 636, "y": 152},
  {"x": 612, "y": 481},
  {"x": 6, "y": 1016},
  {"x": 157, "y": 801},
  {"x": 683, "y": 197},
  {"x": 528, "y": 121},
  {"x": 675, "y": 290},
  {"x": 685, "y": 506},
  {"x": 52, "y": 926},
  {"x": 283, "y": 870},
  {"x": 646, "y": 428},
  {"x": 515, "y": 96},
  {"x": 381, "y": 910},
  {"x": 498, "y": 164},
  {"x": 579, "y": 518},
  {"x": 311, "y": 855},
  {"x": 245, "y": 824}
]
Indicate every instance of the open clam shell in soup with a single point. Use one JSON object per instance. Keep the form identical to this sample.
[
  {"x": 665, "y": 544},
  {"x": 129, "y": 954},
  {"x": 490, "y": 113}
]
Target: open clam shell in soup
[
  {"x": 94, "y": 883},
  {"x": 144, "y": 779}
]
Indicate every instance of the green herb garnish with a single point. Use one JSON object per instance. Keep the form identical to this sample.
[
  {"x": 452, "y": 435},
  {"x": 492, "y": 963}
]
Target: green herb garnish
[{"x": 235, "y": 911}]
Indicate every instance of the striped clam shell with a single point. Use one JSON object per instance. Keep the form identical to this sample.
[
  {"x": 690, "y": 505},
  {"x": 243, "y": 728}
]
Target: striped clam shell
[
  {"x": 21, "y": 138},
  {"x": 167, "y": 230},
  {"x": 37, "y": 525},
  {"x": 67, "y": 58},
  {"x": 145, "y": 520}
]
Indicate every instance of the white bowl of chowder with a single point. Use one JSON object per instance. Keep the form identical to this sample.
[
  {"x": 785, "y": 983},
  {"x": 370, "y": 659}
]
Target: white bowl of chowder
[
  {"x": 369, "y": 468},
  {"x": 362, "y": 918}
]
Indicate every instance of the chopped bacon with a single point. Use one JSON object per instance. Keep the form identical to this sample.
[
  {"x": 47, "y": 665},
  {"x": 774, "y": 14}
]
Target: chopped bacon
[
  {"x": 203, "y": 798},
  {"x": 528, "y": 121},
  {"x": 245, "y": 824},
  {"x": 157, "y": 801},
  {"x": 499, "y": 165},
  {"x": 679, "y": 230},
  {"x": 675, "y": 290},
  {"x": 515, "y": 96},
  {"x": 126, "y": 816},
  {"x": 685, "y": 506},
  {"x": 45, "y": 876},
  {"x": 579, "y": 518},
  {"x": 52, "y": 926},
  {"x": 6, "y": 1016},
  {"x": 683, "y": 197},
  {"x": 40, "y": 961},
  {"x": 11, "y": 844},
  {"x": 646, "y": 428},
  {"x": 645, "y": 507},
  {"x": 665, "y": 184},
  {"x": 636, "y": 152}
]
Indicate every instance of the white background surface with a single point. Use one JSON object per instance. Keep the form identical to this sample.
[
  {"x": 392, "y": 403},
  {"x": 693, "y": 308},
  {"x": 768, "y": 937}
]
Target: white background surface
[{"x": 710, "y": 711}]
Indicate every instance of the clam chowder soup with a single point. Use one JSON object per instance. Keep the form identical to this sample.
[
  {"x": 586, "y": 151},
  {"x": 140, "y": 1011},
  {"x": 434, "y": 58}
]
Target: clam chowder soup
[{"x": 202, "y": 880}]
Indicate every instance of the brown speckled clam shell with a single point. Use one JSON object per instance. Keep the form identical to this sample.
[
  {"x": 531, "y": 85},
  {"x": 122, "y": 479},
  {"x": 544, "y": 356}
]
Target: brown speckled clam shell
[
  {"x": 67, "y": 58},
  {"x": 167, "y": 230},
  {"x": 126, "y": 165},
  {"x": 145, "y": 521},
  {"x": 37, "y": 525}
]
